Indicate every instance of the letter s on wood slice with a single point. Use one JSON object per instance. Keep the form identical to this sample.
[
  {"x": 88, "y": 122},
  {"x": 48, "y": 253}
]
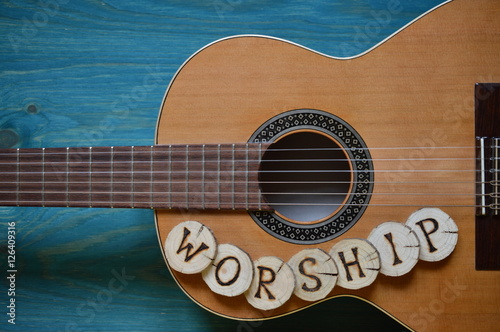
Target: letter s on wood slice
[
  {"x": 231, "y": 272},
  {"x": 190, "y": 247},
  {"x": 272, "y": 285},
  {"x": 316, "y": 274},
  {"x": 437, "y": 232}
]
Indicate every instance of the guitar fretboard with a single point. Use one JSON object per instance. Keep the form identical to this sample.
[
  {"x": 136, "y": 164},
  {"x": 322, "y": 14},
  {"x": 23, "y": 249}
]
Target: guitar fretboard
[{"x": 222, "y": 176}]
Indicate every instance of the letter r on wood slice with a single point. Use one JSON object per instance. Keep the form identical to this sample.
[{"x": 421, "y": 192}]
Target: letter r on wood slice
[
  {"x": 190, "y": 247},
  {"x": 272, "y": 285}
]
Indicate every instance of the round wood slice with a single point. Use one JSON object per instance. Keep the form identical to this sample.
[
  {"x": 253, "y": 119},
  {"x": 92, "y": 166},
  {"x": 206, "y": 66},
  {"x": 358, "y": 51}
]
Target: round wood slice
[
  {"x": 272, "y": 285},
  {"x": 398, "y": 247},
  {"x": 437, "y": 232},
  {"x": 315, "y": 273},
  {"x": 358, "y": 262},
  {"x": 190, "y": 247},
  {"x": 231, "y": 272}
]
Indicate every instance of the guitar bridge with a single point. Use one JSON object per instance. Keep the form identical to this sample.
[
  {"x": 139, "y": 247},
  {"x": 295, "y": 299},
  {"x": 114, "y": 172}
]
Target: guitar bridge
[
  {"x": 488, "y": 176},
  {"x": 487, "y": 120}
]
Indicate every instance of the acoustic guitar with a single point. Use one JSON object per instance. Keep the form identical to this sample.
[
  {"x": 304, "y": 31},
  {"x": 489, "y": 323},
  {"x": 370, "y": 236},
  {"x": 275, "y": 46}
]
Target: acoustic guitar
[{"x": 282, "y": 177}]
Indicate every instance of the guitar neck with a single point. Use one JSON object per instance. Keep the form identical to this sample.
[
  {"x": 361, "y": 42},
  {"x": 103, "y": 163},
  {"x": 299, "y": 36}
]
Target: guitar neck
[{"x": 223, "y": 176}]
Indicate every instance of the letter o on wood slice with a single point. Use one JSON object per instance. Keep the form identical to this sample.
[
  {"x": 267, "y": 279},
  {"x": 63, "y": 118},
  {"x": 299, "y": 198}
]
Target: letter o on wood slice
[
  {"x": 190, "y": 247},
  {"x": 358, "y": 262},
  {"x": 231, "y": 272},
  {"x": 315, "y": 273},
  {"x": 272, "y": 285},
  {"x": 437, "y": 232},
  {"x": 398, "y": 247}
]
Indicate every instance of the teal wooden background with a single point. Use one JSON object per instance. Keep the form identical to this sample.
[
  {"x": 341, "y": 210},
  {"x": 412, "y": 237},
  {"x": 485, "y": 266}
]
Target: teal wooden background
[{"x": 91, "y": 73}]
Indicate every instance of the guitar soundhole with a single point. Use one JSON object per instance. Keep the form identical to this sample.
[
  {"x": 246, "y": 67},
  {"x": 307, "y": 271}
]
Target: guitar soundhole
[
  {"x": 314, "y": 200},
  {"x": 305, "y": 176}
]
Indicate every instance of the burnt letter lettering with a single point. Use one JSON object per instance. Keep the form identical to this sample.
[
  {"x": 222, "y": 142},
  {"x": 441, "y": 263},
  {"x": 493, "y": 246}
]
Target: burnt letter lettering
[
  {"x": 236, "y": 275},
  {"x": 355, "y": 262},
  {"x": 262, "y": 282},
  {"x": 426, "y": 234},
  {"x": 189, "y": 247},
  {"x": 313, "y": 277},
  {"x": 397, "y": 261}
]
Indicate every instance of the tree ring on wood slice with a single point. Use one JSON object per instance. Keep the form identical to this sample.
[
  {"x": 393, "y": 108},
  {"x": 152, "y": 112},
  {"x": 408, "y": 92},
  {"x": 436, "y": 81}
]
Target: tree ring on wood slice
[
  {"x": 231, "y": 272},
  {"x": 190, "y": 247},
  {"x": 398, "y": 247},
  {"x": 437, "y": 232},
  {"x": 315, "y": 272},
  {"x": 358, "y": 262},
  {"x": 272, "y": 285}
]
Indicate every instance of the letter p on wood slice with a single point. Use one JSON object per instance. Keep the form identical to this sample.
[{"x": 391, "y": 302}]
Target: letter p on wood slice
[
  {"x": 437, "y": 232},
  {"x": 190, "y": 247}
]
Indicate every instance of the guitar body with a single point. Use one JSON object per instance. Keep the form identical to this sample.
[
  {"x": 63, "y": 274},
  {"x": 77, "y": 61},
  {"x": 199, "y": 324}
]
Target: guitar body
[{"x": 414, "y": 90}]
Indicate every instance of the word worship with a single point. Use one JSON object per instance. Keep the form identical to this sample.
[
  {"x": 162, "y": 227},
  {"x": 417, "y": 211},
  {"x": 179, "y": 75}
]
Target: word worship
[{"x": 392, "y": 248}]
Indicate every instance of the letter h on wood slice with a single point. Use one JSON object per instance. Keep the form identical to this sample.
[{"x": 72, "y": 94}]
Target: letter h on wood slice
[{"x": 358, "y": 263}]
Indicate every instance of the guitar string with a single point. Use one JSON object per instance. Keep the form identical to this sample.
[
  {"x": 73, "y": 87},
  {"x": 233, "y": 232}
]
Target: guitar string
[
  {"x": 239, "y": 206},
  {"x": 224, "y": 148},
  {"x": 36, "y": 163}
]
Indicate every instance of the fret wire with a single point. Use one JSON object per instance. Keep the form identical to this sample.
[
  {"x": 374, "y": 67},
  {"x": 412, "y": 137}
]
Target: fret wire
[
  {"x": 67, "y": 177},
  {"x": 187, "y": 177},
  {"x": 203, "y": 176},
  {"x": 246, "y": 176},
  {"x": 218, "y": 174},
  {"x": 233, "y": 174},
  {"x": 90, "y": 176},
  {"x": 132, "y": 178},
  {"x": 170, "y": 174},
  {"x": 259, "y": 157},
  {"x": 112, "y": 198},
  {"x": 152, "y": 167},
  {"x": 17, "y": 177},
  {"x": 43, "y": 177}
]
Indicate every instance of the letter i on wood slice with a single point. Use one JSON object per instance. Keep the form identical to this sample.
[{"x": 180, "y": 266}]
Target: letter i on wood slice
[
  {"x": 316, "y": 274},
  {"x": 190, "y": 247},
  {"x": 358, "y": 262},
  {"x": 398, "y": 246},
  {"x": 231, "y": 272},
  {"x": 272, "y": 285},
  {"x": 437, "y": 232}
]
